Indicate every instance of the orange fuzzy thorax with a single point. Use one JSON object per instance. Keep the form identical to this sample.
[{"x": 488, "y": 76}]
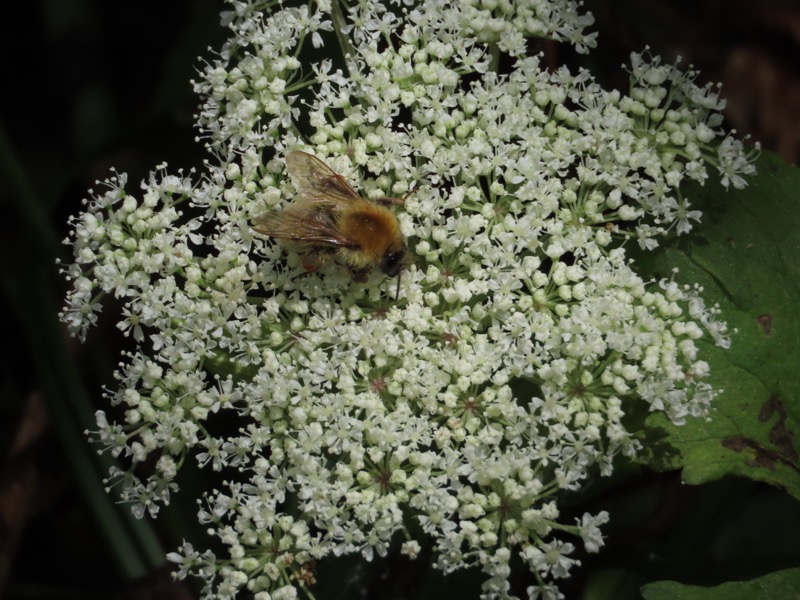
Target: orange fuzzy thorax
[{"x": 374, "y": 228}]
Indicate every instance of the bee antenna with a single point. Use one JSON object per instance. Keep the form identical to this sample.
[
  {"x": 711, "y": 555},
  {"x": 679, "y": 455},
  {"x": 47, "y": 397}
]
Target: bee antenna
[{"x": 397, "y": 293}]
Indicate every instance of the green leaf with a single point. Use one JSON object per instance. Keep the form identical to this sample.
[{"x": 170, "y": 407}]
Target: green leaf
[
  {"x": 746, "y": 255},
  {"x": 781, "y": 584}
]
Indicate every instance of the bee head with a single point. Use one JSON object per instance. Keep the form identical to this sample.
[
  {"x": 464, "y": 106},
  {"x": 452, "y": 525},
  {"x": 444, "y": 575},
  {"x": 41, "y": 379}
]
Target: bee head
[{"x": 393, "y": 262}]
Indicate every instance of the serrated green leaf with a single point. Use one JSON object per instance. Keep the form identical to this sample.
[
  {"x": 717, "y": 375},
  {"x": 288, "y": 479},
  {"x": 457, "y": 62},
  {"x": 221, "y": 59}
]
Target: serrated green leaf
[
  {"x": 781, "y": 584},
  {"x": 746, "y": 255}
]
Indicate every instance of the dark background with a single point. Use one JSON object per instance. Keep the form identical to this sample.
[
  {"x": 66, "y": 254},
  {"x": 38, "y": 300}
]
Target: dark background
[{"x": 89, "y": 85}]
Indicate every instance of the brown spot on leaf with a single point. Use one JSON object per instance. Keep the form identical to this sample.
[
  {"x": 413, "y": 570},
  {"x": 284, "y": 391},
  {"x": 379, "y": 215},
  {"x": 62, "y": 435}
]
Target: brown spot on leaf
[
  {"x": 765, "y": 321},
  {"x": 736, "y": 443},
  {"x": 764, "y": 458},
  {"x": 779, "y": 436}
]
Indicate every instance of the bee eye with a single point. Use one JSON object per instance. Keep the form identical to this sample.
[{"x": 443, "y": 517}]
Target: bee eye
[{"x": 392, "y": 262}]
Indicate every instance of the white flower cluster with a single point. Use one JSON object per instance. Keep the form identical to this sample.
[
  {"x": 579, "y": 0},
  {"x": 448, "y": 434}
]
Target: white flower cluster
[{"x": 521, "y": 336}]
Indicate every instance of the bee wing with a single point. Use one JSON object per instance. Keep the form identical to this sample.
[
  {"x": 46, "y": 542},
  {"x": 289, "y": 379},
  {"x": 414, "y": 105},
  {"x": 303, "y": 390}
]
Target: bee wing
[
  {"x": 318, "y": 185},
  {"x": 303, "y": 226}
]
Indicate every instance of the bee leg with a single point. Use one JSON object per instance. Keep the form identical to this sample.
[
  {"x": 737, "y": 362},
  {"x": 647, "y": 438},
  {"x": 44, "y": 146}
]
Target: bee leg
[
  {"x": 315, "y": 258},
  {"x": 387, "y": 202},
  {"x": 311, "y": 263},
  {"x": 359, "y": 275}
]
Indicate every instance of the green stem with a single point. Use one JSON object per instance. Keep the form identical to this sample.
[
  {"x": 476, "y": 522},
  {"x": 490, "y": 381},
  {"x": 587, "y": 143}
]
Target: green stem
[
  {"x": 339, "y": 23},
  {"x": 494, "y": 52}
]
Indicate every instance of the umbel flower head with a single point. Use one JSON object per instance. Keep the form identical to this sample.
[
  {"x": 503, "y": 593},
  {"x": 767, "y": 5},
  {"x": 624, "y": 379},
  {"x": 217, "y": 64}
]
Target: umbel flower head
[{"x": 521, "y": 335}]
